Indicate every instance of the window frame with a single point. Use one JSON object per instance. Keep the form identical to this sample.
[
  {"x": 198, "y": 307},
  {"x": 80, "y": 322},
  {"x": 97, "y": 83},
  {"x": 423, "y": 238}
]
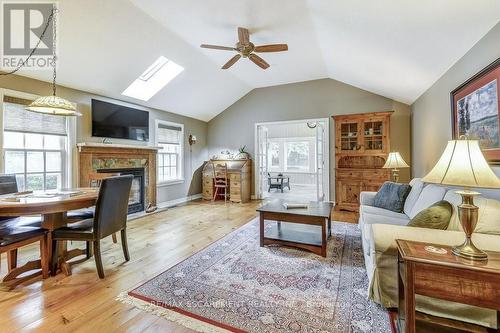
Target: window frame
[
  {"x": 180, "y": 161},
  {"x": 67, "y": 162}
]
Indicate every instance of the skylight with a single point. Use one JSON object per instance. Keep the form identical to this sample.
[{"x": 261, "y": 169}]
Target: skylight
[{"x": 161, "y": 72}]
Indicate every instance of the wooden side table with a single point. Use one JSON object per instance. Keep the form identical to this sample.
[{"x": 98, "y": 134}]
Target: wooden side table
[{"x": 432, "y": 270}]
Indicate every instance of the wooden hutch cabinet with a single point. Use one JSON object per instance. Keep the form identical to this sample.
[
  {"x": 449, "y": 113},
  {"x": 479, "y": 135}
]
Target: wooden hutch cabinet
[{"x": 362, "y": 143}]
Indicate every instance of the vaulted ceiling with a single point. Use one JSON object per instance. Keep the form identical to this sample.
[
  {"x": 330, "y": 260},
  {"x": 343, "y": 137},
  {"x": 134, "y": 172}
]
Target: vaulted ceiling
[{"x": 394, "y": 48}]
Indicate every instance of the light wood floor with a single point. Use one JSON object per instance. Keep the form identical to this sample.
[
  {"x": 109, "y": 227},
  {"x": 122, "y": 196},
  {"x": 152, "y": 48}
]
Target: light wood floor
[{"x": 84, "y": 303}]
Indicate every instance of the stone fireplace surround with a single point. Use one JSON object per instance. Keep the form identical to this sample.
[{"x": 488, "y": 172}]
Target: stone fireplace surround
[{"x": 97, "y": 157}]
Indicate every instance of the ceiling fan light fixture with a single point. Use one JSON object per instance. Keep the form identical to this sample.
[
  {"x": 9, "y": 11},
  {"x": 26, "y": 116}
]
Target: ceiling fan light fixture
[{"x": 53, "y": 105}]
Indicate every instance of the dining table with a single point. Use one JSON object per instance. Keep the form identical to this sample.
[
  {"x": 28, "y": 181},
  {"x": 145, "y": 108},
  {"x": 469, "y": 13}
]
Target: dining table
[{"x": 53, "y": 206}]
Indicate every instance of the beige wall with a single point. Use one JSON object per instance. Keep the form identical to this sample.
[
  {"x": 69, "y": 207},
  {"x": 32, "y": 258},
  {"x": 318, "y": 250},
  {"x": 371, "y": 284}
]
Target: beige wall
[
  {"x": 431, "y": 112},
  {"x": 304, "y": 100},
  {"x": 192, "y": 185}
]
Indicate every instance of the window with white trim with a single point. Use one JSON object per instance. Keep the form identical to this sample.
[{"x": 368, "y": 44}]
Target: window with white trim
[
  {"x": 34, "y": 146},
  {"x": 297, "y": 155},
  {"x": 170, "y": 137}
]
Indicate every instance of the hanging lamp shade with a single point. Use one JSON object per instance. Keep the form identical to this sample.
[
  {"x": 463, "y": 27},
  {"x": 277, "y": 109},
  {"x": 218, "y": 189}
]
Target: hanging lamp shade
[{"x": 53, "y": 105}]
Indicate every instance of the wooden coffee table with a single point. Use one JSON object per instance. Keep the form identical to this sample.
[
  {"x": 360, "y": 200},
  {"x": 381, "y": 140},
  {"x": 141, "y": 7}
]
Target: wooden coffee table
[{"x": 306, "y": 229}]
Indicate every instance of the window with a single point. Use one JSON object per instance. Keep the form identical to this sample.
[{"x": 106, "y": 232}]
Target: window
[
  {"x": 274, "y": 155},
  {"x": 170, "y": 136},
  {"x": 34, "y": 146},
  {"x": 297, "y": 156},
  {"x": 157, "y": 76},
  {"x": 292, "y": 155}
]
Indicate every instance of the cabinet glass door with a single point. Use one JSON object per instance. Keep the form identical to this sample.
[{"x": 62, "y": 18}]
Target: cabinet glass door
[
  {"x": 374, "y": 135},
  {"x": 349, "y": 134}
]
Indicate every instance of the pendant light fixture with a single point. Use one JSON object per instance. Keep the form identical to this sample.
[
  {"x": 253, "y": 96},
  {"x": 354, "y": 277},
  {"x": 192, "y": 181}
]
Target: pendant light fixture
[{"x": 53, "y": 105}]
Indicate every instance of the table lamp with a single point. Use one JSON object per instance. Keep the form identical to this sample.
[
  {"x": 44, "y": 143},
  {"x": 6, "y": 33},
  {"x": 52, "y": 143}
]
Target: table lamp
[
  {"x": 394, "y": 162},
  {"x": 463, "y": 164}
]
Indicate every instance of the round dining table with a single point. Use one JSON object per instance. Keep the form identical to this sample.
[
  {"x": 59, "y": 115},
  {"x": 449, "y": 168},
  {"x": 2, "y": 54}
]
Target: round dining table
[{"x": 53, "y": 206}]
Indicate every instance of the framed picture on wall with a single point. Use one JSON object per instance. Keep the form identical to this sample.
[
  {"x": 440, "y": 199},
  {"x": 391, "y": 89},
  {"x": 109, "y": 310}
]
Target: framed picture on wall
[{"x": 475, "y": 108}]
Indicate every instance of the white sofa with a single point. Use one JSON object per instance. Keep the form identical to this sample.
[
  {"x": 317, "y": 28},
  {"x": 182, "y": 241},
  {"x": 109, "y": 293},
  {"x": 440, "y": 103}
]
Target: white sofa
[{"x": 380, "y": 228}]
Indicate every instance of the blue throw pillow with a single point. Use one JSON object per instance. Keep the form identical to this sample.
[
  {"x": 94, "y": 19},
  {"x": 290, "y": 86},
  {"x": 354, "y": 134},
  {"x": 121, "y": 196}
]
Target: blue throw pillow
[{"x": 392, "y": 196}]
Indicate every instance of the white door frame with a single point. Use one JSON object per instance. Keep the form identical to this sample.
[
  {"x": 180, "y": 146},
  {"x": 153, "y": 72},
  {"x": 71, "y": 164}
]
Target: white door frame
[{"x": 326, "y": 154}]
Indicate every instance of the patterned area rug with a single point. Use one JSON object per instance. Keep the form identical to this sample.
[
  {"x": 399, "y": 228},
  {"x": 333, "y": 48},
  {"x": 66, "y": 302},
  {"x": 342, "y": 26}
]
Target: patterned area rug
[{"x": 236, "y": 285}]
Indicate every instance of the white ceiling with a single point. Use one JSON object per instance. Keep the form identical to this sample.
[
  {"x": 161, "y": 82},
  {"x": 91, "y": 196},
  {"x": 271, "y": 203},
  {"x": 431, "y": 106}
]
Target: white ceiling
[{"x": 394, "y": 48}]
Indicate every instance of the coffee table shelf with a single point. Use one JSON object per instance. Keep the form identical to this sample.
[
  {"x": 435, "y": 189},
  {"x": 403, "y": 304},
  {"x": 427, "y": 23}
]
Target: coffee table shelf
[{"x": 307, "y": 228}]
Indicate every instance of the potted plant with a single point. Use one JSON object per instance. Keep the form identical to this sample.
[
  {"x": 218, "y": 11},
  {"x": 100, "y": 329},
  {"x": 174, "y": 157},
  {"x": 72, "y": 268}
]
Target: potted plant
[{"x": 243, "y": 154}]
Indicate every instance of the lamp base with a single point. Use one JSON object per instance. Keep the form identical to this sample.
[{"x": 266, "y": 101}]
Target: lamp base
[
  {"x": 395, "y": 175},
  {"x": 469, "y": 251},
  {"x": 468, "y": 214}
]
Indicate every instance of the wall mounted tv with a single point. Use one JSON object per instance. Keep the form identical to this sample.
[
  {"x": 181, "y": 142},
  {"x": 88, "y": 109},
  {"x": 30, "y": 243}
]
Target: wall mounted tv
[{"x": 118, "y": 121}]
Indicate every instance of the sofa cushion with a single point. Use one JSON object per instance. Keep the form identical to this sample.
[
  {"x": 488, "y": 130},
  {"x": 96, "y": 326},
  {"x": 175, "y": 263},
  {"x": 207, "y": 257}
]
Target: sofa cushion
[
  {"x": 436, "y": 216},
  {"x": 416, "y": 188},
  {"x": 402, "y": 219},
  {"x": 381, "y": 211},
  {"x": 489, "y": 211},
  {"x": 392, "y": 196},
  {"x": 429, "y": 195}
]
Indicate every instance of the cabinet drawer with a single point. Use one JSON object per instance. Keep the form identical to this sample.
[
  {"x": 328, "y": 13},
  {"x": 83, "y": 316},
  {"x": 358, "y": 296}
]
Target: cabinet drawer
[
  {"x": 349, "y": 174},
  {"x": 235, "y": 176},
  {"x": 378, "y": 174}
]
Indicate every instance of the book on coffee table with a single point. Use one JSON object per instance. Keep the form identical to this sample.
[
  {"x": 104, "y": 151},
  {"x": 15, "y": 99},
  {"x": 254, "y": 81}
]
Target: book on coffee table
[{"x": 295, "y": 205}]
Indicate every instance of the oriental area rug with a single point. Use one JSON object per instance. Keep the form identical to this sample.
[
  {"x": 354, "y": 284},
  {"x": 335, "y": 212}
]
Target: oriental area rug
[{"x": 237, "y": 286}]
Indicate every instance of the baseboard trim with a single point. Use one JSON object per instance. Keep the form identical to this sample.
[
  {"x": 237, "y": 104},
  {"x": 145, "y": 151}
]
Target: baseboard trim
[
  {"x": 162, "y": 206},
  {"x": 171, "y": 203}
]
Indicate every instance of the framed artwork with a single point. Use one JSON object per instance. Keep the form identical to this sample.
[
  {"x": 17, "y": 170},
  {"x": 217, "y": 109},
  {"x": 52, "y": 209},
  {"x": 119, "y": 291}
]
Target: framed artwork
[{"x": 475, "y": 108}]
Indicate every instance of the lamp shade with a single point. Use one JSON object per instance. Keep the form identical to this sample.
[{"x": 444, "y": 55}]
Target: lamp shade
[
  {"x": 463, "y": 164},
  {"x": 395, "y": 161},
  {"x": 53, "y": 105}
]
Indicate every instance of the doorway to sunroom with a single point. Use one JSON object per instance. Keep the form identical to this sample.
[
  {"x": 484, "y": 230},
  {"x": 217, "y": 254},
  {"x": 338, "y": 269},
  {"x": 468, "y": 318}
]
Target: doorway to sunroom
[{"x": 292, "y": 160}]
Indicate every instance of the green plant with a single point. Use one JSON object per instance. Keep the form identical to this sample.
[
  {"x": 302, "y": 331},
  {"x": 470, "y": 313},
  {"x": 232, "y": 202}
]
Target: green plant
[{"x": 242, "y": 149}]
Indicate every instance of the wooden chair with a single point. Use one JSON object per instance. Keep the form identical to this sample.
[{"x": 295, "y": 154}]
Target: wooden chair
[
  {"x": 88, "y": 213},
  {"x": 220, "y": 179},
  {"x": 110, "y": 217},
  {"x": 16, "y": 232}
]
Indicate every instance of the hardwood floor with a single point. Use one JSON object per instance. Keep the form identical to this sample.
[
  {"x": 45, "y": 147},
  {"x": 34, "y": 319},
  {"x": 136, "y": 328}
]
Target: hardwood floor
[{"x": 84, "y": 303}]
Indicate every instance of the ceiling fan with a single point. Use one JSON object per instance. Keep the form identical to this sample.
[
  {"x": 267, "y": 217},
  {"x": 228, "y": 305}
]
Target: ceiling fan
[{"x": 247, "y": 49}]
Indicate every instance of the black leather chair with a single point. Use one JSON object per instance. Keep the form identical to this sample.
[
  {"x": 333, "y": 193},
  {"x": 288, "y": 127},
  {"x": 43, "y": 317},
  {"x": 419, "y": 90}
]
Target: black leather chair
[
  {"x": 16, "y": 232},
  {"x": 110, "y": 217},
  {"x": 88, "y": 213}
]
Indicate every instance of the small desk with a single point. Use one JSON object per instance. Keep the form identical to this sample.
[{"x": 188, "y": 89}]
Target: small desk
[
  {"x": 447, "y": 277},
  {"x": 302, "y": 234}
]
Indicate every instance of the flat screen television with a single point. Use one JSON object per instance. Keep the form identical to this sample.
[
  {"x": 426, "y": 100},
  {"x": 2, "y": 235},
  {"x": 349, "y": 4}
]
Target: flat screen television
[{"x": 118, "y": 121}]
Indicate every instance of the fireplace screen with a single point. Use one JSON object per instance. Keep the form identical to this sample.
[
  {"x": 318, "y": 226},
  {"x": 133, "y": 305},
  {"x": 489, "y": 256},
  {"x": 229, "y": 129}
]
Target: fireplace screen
[{"x": 137, "y": 191}]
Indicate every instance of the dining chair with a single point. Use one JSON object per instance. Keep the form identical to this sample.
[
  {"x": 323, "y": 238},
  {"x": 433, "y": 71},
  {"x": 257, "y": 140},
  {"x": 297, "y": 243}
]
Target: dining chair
[
  {"x": 110, "y": 216},
  {"x": 95, "y": 180},
  {"x": 16, "y": 232},
  {"x": 220, "y": 179}
]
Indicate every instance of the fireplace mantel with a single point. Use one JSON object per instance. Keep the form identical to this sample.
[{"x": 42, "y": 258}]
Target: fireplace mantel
[
  {"x": 99, "y": 156},
  {"x": 112, "y": 145}
]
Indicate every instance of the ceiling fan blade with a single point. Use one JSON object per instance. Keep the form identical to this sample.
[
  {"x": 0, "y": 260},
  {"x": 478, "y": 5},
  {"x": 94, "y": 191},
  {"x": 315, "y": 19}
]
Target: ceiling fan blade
[
  {"x": 231, "y": 61},
  {"x": 217, "y": 47},
  {"x": 243, "y": 35},
  {"x": 258, "y": 61},
  {"x": 271, "y": 48}
]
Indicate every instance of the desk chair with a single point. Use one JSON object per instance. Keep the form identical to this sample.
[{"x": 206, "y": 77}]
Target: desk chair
[{"x": 220, "y": 179}]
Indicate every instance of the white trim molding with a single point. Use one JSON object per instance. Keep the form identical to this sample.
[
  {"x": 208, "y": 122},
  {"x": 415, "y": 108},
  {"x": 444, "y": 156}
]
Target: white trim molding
[{"x": 171, "y": 203}]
